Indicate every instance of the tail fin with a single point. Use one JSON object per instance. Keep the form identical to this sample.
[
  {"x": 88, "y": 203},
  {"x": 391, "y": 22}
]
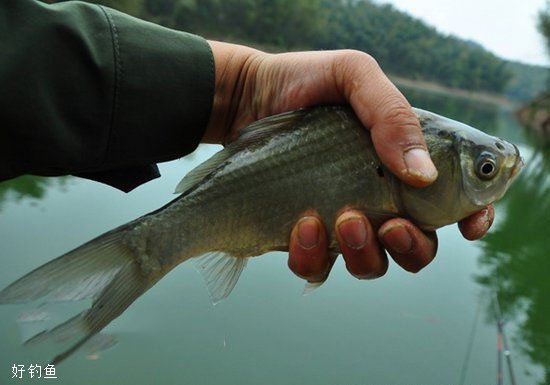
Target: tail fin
[
  {"x": 79, "y": 274},
  {"x": 102, "y": 269}
]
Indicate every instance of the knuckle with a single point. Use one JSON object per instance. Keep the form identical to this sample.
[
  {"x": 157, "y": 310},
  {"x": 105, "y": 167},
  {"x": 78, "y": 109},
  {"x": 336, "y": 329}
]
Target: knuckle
[
  {"x": 352, "y": 69},
  {"x": 403, "y": 125},
  {"x": 353, "y": 59},
  {"x": 363, "y": 59}
]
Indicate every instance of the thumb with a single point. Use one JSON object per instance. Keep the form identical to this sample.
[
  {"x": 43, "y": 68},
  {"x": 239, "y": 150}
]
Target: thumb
[
  {"x": 398, "y": 140},
  {"x": 394, "y": 128}
]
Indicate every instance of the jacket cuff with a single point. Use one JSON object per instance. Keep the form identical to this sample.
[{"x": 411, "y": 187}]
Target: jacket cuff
[{"x": 163, "y": 91}]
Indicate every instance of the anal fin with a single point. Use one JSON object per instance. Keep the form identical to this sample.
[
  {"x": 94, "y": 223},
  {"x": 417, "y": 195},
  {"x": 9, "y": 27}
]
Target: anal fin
[
  {"x": 310, "y": 287},
  {"x": 220, "y": 271}
]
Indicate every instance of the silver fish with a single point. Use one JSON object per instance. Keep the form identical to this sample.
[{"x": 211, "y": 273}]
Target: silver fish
[{"x": 244, "y": 200}]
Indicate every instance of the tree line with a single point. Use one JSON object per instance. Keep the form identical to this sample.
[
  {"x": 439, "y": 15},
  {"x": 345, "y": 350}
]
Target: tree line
[{"x": 403, "y": 45}]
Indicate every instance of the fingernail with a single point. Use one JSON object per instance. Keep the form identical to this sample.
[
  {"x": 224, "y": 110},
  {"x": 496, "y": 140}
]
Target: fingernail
[
  {"x": 353, "y": 232},
  {"x": 485, "y": 215},
  {"x": 308, "y": 232},
  {"x": 487, "y": 222},
  {"x": 419, "y": 164},
  {"x": 397, "y": 239}
]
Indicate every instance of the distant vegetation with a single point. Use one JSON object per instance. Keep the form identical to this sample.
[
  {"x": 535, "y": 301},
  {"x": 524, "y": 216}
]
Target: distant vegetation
[
  {"x": 403, "y": 45},
  {"x": 527, "y": 81},
  {"x": 536, "y": 114},
  {"x": 544, "y": 24}
]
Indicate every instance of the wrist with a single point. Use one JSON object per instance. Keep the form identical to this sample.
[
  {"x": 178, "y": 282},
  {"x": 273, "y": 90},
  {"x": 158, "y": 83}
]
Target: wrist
[{"x": 235, "y": 69}]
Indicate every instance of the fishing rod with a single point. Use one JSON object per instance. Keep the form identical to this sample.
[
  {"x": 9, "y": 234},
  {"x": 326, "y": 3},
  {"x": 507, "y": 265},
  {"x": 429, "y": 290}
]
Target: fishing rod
[
  {"x": 502, "y": 347},
  {"x": 500, "y": 377}
]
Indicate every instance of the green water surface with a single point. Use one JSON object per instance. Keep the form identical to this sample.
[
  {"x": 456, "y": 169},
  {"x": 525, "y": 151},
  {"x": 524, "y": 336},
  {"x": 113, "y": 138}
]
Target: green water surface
[{"x": 435, "y": 327}]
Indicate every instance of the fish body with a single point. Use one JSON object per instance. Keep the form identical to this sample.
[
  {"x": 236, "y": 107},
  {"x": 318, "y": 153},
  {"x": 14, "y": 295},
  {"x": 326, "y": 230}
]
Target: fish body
[
  {"x": 319, "y": 160},
  {"x": 244, "y": 200}
]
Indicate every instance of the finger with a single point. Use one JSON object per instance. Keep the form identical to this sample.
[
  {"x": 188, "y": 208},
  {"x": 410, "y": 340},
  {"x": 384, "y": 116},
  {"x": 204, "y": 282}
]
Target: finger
[
  {"x": 362, "y": 253},
  {"x": 308, "y": 249},
  {"x": 409, "y": 246},
  {"x": 476, "y": 225},
  {"x": 394, "y": 128}
]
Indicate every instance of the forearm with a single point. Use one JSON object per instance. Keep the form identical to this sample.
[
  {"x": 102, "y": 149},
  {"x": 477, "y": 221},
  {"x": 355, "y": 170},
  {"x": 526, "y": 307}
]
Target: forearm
[{"x": 87, "y": 89}]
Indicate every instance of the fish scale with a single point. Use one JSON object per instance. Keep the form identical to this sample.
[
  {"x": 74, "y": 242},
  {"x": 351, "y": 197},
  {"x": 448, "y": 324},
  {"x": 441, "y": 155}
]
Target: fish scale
[{"x": 247, "y": 197}]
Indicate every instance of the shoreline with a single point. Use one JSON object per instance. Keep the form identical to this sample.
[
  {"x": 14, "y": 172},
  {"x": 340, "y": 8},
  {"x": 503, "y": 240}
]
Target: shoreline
[{"x": 437, "y": 88}]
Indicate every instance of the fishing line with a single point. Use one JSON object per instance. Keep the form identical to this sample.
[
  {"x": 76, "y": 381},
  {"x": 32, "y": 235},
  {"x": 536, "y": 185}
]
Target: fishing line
[{"x": 466, "y": 361}]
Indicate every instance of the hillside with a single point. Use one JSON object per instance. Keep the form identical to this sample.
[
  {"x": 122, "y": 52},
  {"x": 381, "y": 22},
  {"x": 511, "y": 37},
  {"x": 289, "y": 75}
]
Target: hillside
[
  {"x": 404, "y": 46},
  {"x": 527, "y": 81}
]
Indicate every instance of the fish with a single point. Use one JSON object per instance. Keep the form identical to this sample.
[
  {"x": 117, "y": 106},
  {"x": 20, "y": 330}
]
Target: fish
[{"x": 244, "y": 200}]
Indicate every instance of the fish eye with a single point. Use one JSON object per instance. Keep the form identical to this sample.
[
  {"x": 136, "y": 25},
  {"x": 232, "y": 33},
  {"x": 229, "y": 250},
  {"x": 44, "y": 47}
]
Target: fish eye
[{"x": 486, "y": 167}]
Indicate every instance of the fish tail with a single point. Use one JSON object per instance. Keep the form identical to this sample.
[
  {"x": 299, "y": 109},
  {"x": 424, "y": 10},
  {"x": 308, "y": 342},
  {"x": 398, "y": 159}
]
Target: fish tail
[
  {"x": 122, "y": 291},
  {"x": 104, "y": 269}
]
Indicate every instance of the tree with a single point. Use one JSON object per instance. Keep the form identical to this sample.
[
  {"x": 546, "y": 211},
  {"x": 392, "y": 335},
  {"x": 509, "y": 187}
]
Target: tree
[{"x": 544, "y": 24}]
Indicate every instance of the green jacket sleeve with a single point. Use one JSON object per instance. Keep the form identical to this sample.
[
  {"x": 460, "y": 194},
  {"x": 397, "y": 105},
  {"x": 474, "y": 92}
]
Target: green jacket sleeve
[{"x": 87, "y": 90}]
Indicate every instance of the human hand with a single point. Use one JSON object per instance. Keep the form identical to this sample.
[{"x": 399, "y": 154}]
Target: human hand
[{"x": 251, "y": 85}]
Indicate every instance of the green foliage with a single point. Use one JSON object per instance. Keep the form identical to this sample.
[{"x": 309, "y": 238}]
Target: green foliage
[
  {"x": 259, "y": 21},
  {"x": 403, "y": 45},
  {"x": 30, "y": 187},
  {"x": 527, "y": 81},
  {"x": 159, "y": 7},
  {"x": 544, "y": 24}
]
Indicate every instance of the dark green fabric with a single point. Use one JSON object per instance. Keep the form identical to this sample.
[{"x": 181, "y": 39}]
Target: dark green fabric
[{"x": 87, "y": 90}]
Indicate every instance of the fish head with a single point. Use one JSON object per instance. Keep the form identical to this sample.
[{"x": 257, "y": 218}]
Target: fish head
[
  {"x": 488, "y": 165},
  {"x": 475, "y": 170}
]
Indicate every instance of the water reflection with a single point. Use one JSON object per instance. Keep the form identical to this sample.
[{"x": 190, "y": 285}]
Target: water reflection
[
  {"x": 516, "y": 260},
  {"x": 28, "y": 187},
  {"x": 516, "y": 254},
  {"x": 480, "y": 115}
]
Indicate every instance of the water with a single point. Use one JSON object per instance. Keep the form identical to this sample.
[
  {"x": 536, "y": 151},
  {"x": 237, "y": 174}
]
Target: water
[{"x": 436, "y": 327}]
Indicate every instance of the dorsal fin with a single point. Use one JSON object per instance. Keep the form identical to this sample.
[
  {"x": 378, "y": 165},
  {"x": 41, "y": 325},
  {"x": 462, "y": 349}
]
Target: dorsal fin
[
  {"x": 253, "y": 135},
  {"x": 265, "y": 128},
  {"x": 196, "y": 175}
]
